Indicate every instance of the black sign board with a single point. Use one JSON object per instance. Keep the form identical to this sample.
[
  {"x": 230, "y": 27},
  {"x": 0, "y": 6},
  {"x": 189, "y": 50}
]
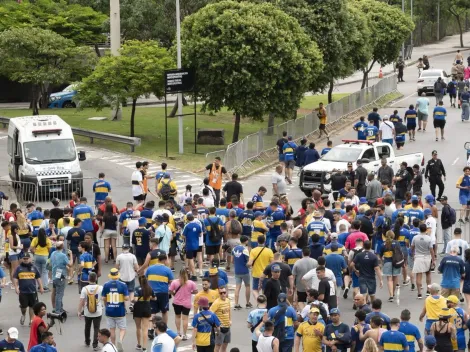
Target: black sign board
[{"x": 179, "y": 81}]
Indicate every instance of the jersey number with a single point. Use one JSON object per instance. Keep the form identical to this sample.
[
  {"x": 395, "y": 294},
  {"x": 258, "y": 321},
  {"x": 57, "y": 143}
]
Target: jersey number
[
  {"x": 114, "y": 298},
  {"x": 138, "y": 240}
]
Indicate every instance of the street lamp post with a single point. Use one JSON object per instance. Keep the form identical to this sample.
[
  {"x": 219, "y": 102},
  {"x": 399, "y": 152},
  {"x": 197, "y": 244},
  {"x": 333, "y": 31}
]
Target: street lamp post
[
  {"x": 115, "y": 38},
  {"x": 438, "y": 17},
  {"x": 180, "y": 95},
  {"x": 403, "y": 44},
  {"x": 411, "y": 10}
]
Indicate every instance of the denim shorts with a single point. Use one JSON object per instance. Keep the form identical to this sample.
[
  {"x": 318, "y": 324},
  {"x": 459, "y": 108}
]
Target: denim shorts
[
  {"x": 389, "y": 270},
  {"x": 130, "y": 285},
  {"x": 464, "y": 199},
  {"x": 245, "y": 278},
  {"x": 355, "y": 280},
  {"x": 255, "y": 282},
  {"x": 367, "y": 285},
  {"x": 389, "y": 141}
]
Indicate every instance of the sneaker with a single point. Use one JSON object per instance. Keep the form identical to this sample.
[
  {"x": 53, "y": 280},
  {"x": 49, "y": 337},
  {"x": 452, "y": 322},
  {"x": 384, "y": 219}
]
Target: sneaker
[
  {"x": 345, "y": 294},
  {"x": 138, "y": 348},
  {"x": 119, "y": 346},
  {"x": 87, "y": 344},
  {"x": 249, "y": 305},
  {"x": 437, "y": 139},
  {"x": 420, "y": 296},
  {"x": 390, "y": 299},
  {"x": 173, "y": 269},
  {"x": 185, "y": 338},
  {"x": 131, "y": 308},
  {"x": 46, "y": 289},
  {"x": 413, "y": 287},
  {"x": 406, "y": 283},
  {"x": 237, "y": 307},
  {"x": 461, "y": 298},
  {"x": 150, "y": 334},
  {"x": 96, "y": 348},
  {"x": 22, "y": 319},
  {"x": 419, "y": 129},
  {"x": 144, "y": 350},
  {"x": 428, "y": 293},
  {"x": 1, "y": 331},
  {"x": 461, "y": 221}
]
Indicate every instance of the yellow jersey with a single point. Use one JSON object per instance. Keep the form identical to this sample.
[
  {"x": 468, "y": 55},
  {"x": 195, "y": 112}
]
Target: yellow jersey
[
  {"x": 310, "y": 341},
  {"x": 265, "y": 257}
]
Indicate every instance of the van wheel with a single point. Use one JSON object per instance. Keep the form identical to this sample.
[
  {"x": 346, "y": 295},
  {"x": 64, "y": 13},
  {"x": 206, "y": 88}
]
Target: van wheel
[{"x": 69, "y": 104}]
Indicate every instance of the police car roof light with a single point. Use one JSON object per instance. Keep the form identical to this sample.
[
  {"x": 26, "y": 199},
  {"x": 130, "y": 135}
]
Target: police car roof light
[
  {"x": 356, "y": 141},
  {"x": 47, "y": 131}
]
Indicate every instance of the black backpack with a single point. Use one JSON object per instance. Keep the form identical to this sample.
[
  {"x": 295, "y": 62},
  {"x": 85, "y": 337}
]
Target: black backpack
[
  {"x": 165, "y": 191},
  {"x": 280, "y": 329},
  {"x": 452, "y": 215},
  {"x": 398, "y": 260},
  {"x": 215, "y": 234}
]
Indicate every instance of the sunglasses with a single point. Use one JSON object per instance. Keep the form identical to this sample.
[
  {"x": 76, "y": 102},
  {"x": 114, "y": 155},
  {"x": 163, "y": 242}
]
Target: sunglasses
[{"x": 223, "y": 293}]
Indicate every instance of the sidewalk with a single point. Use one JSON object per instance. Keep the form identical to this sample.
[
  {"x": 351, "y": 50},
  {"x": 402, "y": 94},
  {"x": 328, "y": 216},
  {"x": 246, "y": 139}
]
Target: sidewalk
[{"x": 447, "y": 45}]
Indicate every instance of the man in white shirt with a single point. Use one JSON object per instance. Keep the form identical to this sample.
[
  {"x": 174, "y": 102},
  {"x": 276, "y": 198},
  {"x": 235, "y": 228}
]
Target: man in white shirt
[
  {"x": 137, "y": 183},
  {"x": 278, "y": 181},
  {"x": 132, "y": 225},
  {"x": 208, "y": 199},
  {"x": 164, "y": 232},
  {"x": 93, "y": 317},
  {"x": 311, "y": 280},
  {"x": 431, "y": 225},
  {"x": 458, "y": 242},
  {"x": 163, "y": 343},
  {"x": 387, "y": 131},
  {"x": 127, "y": 264},
  {"x": 422, "y": 105},
  {"x": 104, "y": 337}
]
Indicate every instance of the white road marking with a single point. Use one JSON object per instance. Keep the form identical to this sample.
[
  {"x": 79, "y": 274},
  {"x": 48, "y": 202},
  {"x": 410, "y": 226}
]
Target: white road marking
[
  {"x": 455, "y": 161},
  {"x": 3, "y": 137},
  {"x": 409, "y": 96},
  {"x": 111, "y": 157}
]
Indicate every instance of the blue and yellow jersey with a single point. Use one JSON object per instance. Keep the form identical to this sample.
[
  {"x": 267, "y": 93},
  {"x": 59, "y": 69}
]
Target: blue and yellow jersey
[
  {"x": 319, "y": 228},
  {"x": 159, "y": 277},
  {"x": 259, "y": 229},
  {"x": 395, "y": 118},
  {"x": 393, "y": 340},
  {"x": 222, "y": 213},
  {"x": 412, "y": 334},
  {"x": 125, "y": 217},
  {"x": 215, "y": 221},
  {"x": 327, "y": 250},
  {"x": 458, "y": 319},
  {"x": 147, "y": 214},
  {"x": 258, "y": 202},
  {"x": 387, "y": 253},
  {"x": 292, "y": 255},
  {"x": 439, "y": 113},
  {"x": 415, "y": 213},
  {"x": 283, "y": 251},
  {"x": 36, "y": 218},
  {"x": 290, "y": 316},
  {"x": 400, "y": 137},
  {"x": 154, "y": 254},
  {"x": 75, "y": 236},
  {"x": 463, "y": 181},
  {"x": 288, "y": 150},
  {"x": 87, "y": 260},
  {"x": 84, "y": 213},
  {"x": 402, "y": 212},
  {"x": 101, "y": 188},
  {"x": 385, "y": 318},
  {"x": 404, "y": 238},
  {"x": 410, "y": 117},
  {"x": 203, "y": 326},
  {"x": 15, "y": 346},
  {"x": 115, "y": 292},
  {"x": 361, "y": 127},
  {"x": 371, "y": 132},
  {"x": 276, "y": 219},
  {"x": 246, "y": 218},
  {"x": 26, "y": 277},
  {"x": 141, "y": 241}
]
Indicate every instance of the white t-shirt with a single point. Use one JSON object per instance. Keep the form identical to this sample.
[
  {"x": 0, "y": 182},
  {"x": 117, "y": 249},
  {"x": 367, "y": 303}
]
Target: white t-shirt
[
  {"x": 306, "y": 309},
  {"x": 132, "y": 225},
  {"x": 136, "y": 189},
  {"x": 109, "y": 347},
  {"x": 167, "y": 343},
  {"x": 99, "y": 306},
  {"x": 343, "y": 222},
  {"x": 312, "y": 275},
  {"x": 208, "y": 201},
  {"x": 387, "y": 129},
  {"x": 280, "y": 182},
  {"x": 431, "y": 222},
  {"x": 126, "y": 262},
  {"x": 462, "y": 244},
  {"x": 160, "y": 212},
  {"x": 327, "y": 223}
]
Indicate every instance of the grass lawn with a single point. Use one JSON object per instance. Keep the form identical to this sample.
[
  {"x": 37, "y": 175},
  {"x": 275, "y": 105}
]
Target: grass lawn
[{"x": 150, "y": 126}]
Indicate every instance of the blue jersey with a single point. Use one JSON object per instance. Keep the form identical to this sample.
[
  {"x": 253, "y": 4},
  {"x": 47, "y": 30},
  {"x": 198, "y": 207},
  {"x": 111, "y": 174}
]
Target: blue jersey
[
  {"x": 159, "y": 277},
  {"x": 36, "y": 218},
  {"x": 141, "y": 241},
  {"x": 291, "y": 256},
  {"x": 404, "y": 237},
  {"x": 393, "y": 341},
  {"x": 439, "y": 113},
  {"x": 192, "y": 231},
  {"x": 223, "y": 214},
  {"x": 125, "y": 217},
  {"x": 395, "y": 118},
  {"x": 214, "y": 221},
  {"x": 147, "y": 214},
  {"x": 385, "y": 318},
  {"x": 319, "y": 228},
  {"x": 342, "y": 238},
  {"x": 26, "y": 276},
  {"x": 371, "y": 132},
  {"x": 336, "y": 263},
  {"x": 289, "y": 317},
  {"x": 115, "y": 292},
  {"x": 355, "y": 335},
  {"x": 400, "y": 137},
  {"x": 2, "y": 275},
  {"x": 289, "y": 150},
  {"x": 397, "y": 212},
  {"x": 410, "y": 117},
  {"x": 415, "y": 214},
  {"x": 223, "y": 278},
  {"x": 240, "y": 258},
  {"x": 75, "y": 236},
  {"x": 87, "y": 260},
  {"x": 84, "y": 213},
  {"x": 204, "y": 326},
  {"x": 361, "y": 127},
  {"x": 276, "y": 219},
  {"x": 15, "y": 346},
  {"x": 458, "y": 319},
  {"x": 452, "y": 268},
  {"x": 43, "y": 347},
  {"x": 246, "y": 218},
  {"x": 101, "y": 188},
  {"x": 411, "y": 332},
  {"x": 258, "y": 201},
  {"x": 325, "y": 150}
]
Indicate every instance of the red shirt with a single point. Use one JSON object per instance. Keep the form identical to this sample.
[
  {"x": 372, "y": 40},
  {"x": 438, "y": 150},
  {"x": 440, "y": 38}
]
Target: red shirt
[
  {"x": 34, "y": 332},
  {"x": 353, "y": 236},
  {"x": 72, "y": 204},
  {"x": 103, "y": 208},
  {"x": 8, "y": 215}
]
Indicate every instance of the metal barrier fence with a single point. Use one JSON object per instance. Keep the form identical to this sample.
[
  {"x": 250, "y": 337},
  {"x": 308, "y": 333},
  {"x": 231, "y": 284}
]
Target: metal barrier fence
[{"x": 255, "y": 145}]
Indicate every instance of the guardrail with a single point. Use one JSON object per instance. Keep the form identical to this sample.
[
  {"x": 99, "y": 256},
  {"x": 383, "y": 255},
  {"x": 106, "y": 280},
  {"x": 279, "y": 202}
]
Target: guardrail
[{"x": 131, "y": 141}]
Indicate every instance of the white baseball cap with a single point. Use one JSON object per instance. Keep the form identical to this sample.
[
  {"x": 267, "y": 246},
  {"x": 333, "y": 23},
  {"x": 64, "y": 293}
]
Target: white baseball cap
[{"x": 13, "y": 333}]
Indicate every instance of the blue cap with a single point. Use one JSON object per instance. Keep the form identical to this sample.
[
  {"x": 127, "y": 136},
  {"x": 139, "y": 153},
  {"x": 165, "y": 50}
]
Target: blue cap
[
  {"x": 282, "y": 298},
  {"x": 430, "y": 341},
  {"x": 334, "y": 311},
  {"x": 429, "y": 198},
  {"x": 362, "y": 200},
  {"x": 427, "y": 212},
  {"x": 414, "y": 198},
  {"x": 275, "y": 267},
  {"x": 142, "y": 221},
  {"x": 258, "y": 213}
]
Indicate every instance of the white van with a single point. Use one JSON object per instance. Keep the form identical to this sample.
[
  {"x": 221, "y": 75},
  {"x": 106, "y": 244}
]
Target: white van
[{"x": 42, "y": 151}]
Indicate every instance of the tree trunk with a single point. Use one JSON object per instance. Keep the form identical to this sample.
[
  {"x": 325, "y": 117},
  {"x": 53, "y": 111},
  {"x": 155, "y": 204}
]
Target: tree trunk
[
  {"x": 236, "y": 129},
  {"x": 134, "y": 103},
  {"x": 185, "y": 102},
  {"x": 97, "y": 50},
  {"x": 460, "y": 30},
  {"x": 330, "y": 92},
  {"x": 364, "y": 78},
  {"x": 271, "y": 124},
  {"x": 34, "y": 101}
]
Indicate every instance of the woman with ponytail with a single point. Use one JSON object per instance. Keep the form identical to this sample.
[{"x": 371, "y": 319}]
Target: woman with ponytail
[{"x": 386, "y": 254}]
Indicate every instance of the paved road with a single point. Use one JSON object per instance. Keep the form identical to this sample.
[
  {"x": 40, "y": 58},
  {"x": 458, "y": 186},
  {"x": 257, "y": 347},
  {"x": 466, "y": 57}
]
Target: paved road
[{"x": 118, "y": 168}]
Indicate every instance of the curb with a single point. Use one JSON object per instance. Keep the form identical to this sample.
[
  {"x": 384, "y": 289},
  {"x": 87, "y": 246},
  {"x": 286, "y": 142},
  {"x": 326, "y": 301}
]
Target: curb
[{"x": 411, "y": 63}]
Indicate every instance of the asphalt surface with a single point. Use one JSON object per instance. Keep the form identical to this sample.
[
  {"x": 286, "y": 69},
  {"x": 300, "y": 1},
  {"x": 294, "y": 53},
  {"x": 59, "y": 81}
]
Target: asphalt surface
[{"x": 118, "y": 169}]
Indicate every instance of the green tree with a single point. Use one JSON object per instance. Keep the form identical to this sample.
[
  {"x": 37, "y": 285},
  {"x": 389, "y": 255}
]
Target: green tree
[
  {"x": 252, "y": 58},
  {"x": 458, "y": 9},
  {"x": 389, "y": 29},
  {"x": 137, "y": 71},
  {"x": 41, "y": 57}
]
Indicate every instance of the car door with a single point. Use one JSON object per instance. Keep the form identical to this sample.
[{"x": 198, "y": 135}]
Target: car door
[
  {"x": 371, "y": 155},
  {"x": 384, "y": 151}
]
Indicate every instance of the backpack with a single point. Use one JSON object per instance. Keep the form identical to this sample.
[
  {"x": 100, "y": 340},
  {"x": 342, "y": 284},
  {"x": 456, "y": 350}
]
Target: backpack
[
  {"x": 215, "y": 234},
  {"x": 280, "y": 329},
  {"x": 387, "y": 225},
  {"x": 235, "y": 227},
  {"x": 165, "y": 191},
  {"x": 91, "y": 301},
  {"x": 452, "y": 215},
  {"x": 398, "y": 260}
]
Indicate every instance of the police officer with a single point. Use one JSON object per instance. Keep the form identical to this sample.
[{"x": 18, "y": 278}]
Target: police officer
[
  {"x": 401, "y": 180},
  {"x": 434, "y": 171},
  {"x": 350, "y": 173},
  {"x": 338, "y": 180},
  {"x": 360, "y": 179}
]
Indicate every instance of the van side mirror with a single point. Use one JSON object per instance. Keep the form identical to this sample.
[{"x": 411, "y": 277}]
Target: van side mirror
[
  {"x": 365, "y": 161},
  {"x": 17, "y": 160},
  {"x": 81, "y": 155}
]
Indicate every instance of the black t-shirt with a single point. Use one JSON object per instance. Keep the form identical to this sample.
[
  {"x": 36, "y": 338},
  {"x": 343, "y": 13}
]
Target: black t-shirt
[
  {"x": 56, "y": 214},
  {"x": 96, "y": 252},
  {"x": 272, "y": 290},
  {"x": 233, "y": 188},
  {"x": 350, "y": 175},
  {"x": 338, "y": 181},
  {"x": 280, "y": 144},
  {"x": 332, "y": 332},
  {"x": 110, "y": 222},
  {"x": 329, "y": 216},
  {"x": 366, "y": 262},
  {"x": 285, "y": 273},
  {"x": 325, "y": 287},
  {"x": 209, "y": 167},
  {"x": 366, "y": 226},
  {"x": 361, "y": 175},
  {"x": 375, "y": 118},
  {"x": 302, "y": 241}
]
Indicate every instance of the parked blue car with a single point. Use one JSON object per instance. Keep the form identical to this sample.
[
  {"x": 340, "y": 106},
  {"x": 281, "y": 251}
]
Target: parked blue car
[{"x": 64, "y": 99}]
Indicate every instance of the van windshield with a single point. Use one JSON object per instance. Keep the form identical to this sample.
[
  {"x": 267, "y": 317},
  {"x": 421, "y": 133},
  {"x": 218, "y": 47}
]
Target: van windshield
[
  {"x": 50, "y": 151},
  {"x": 341, "y": 154}
]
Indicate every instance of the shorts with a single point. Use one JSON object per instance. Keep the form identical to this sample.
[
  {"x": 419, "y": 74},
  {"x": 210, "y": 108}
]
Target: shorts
[
  {"x": 232, "y": 242},
  {"x": 255, "y": 282},
  {"x": 355, "y": 280},
  {"x": 116, "y": 322},
  {"x": 322, "y": 126},
  {"x": 301, "y": 297},
  {"x": 139, "y": 197},
  {"x": 181, "y": 310},
  {"x": 281, "y": 157},
  {"x": 453, "y": 95},
  {"x": 367, "y": 285},
  {"x": 244, "y": 277},
  {"x": 141, "y": 309},
  {"x": 400, "y": 144},
  {"x": 173, "y": 252},
  {"x": 207, "y": 348},
  {"x": 290, "y": 164},
  {"x": 410, "y": 127},
  {"x": 212, "y": 250},
  {"x": 464, "y": 199},
  {"x": 422, "y": 264},
  {"x": 28, "y": 299},
  {"x": 191, "y": 254},
  {"x": 446, "y": 292},
  {"x": 107, "y": 234},
  {"x": 222, "y": 338},
  {"x": 422, "y": 117},
  {"x": 389, "y": 270},
  {"x": 161, "y": 304},
  {"x": 13, "y": 257},
  {"x": 427, "y": 325},
  {"x": 199, "y": 250},
  {"x": 389, "y": 141},
  {"x": 411, "y": 262},
  {"x": 130, "y": 285},
  {"x": 140, "y": 260},
  {"x": 439, "y": 123}
]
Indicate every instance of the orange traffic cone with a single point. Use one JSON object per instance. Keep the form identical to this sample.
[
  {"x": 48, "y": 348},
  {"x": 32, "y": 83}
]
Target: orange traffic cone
[{"x": 381, "y": 75}]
